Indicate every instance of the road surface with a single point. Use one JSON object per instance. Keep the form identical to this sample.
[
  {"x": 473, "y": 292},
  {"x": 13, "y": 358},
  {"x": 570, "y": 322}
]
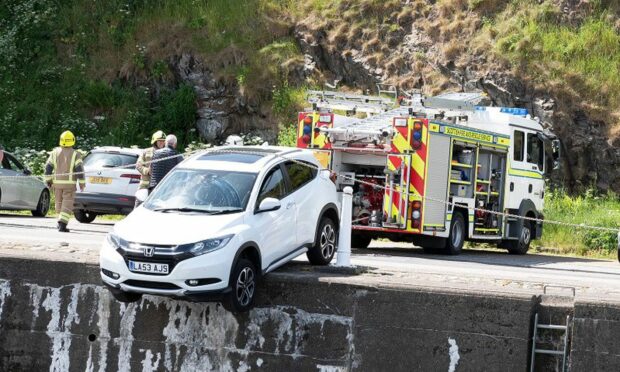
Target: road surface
[{"x": 385, "y": 263}]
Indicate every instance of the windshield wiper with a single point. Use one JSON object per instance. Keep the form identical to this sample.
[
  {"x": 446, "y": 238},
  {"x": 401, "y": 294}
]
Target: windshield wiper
[
  {"x": 182, "y": 209},
  {"x": 225, "y": 211}
]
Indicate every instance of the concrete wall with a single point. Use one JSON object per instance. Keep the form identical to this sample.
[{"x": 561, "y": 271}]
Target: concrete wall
[{"x": 56, "y": 316}]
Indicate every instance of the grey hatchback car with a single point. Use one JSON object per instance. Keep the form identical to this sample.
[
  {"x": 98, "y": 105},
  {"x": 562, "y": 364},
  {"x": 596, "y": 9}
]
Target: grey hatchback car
[{"x": 20, "y": 191}]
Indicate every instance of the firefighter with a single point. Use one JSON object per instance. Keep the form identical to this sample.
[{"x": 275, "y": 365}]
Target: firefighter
[
  {"x": 62, "y": 170},
  {"x": 144, "y": 161}
]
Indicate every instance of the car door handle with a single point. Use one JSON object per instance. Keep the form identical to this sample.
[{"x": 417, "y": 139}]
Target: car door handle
[{"x": 289, "y": 205}]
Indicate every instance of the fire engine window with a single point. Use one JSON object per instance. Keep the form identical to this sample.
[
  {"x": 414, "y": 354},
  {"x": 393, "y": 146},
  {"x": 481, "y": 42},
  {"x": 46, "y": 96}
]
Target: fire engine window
[
  {"x": 299, "y": 174},
  {"x": 519, "y": 139},
  {"x": 535, "y": 150},
  {"x": 273, "y": 186}
]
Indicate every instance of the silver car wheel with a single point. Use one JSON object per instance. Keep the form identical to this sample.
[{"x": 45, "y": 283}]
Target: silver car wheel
[
  {"x": 328, "y": 241},
  {"x": 245, "y": 286},
  {"x": 44, "y": 203}
]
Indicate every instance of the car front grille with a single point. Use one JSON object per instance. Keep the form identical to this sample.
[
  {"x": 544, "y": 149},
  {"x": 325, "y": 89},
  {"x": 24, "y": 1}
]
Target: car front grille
[
  {"x": 151, "y": 285},
  {"x": 163, "y": 255}
]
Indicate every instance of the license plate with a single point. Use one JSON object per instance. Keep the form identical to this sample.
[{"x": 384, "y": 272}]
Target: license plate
[
  {"x": 147, "y": 267},
  {"x": 101, "y": 180}
]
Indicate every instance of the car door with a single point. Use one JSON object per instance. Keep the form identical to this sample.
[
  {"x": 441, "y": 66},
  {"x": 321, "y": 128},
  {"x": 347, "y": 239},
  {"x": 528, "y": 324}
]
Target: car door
[
  {"x": 30, "y": 187},
  {"x": 9, "y": 184},
  {"x": 276, "y": 229},
  {"x": 301, "y": 175},
  {"x": 536, "y": 162}
]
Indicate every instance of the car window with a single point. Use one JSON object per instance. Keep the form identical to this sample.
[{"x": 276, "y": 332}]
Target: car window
[
  {"x": 535, "y": 150},
  {"x": 519, "y": 140},
  {"x": 273, "y": 186},
  {"x": 300, "y": 173},
  {"x": 9, "y": 162},
  {"x": 109, "y": 160}
]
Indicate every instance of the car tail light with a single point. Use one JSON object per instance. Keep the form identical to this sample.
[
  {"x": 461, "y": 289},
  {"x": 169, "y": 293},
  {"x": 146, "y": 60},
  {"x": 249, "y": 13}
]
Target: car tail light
[{"x": 133, "y": 178}]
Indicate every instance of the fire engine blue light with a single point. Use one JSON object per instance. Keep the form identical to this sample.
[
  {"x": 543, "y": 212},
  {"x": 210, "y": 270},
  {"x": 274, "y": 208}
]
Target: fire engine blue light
[
  {"x": 307, "y": 129},
  {"x": 417, "y": 135},
  {"x": 514, "y": 111},
  {"x": 480, "y": 108}
]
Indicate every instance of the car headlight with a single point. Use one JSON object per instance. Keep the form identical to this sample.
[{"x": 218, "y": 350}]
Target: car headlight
[
  {"x": 115, "y": 241},
  {"x": 206, "y": 246}
]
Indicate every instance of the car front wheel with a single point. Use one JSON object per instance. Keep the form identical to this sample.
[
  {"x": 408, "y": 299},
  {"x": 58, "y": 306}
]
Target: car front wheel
[
  {"x": 243, "y": 281},
  {"x": 43, "y": 206},
  {"x": 325, "y": 246}
]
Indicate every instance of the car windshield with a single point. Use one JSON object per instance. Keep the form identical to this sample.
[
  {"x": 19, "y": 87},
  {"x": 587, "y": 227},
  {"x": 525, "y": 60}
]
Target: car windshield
[
  {"x": 109, "y": 160},
  {"x": 202, "y": 190}
]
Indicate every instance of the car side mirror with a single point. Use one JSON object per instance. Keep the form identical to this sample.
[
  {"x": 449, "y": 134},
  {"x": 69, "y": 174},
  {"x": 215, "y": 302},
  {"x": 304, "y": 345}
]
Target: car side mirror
[
  {"x": 141, "y": 195},
  {"x": 269, "y": 204},
  {"x": 27, "y": 172}
]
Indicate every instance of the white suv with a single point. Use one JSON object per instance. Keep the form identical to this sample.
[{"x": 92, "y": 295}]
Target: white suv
[
  {"x": 219, "y": 221},
  {"x": 111, "y": 183}
]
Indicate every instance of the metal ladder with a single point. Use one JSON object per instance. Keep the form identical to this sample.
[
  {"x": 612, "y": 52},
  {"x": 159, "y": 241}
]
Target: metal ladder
[{"x": 562, "y": 352}]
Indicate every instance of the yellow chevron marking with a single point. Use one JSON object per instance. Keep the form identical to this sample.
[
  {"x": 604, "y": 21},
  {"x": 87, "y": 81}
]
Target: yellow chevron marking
[
  {"x": 401, "y": 143},
  {"x": 417, "y": 164},
  {"x": 424, "y": 134}
]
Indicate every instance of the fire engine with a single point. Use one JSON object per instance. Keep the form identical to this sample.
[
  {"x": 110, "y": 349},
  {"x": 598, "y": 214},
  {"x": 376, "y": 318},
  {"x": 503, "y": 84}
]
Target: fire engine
[{"x": 433, "y": 171}]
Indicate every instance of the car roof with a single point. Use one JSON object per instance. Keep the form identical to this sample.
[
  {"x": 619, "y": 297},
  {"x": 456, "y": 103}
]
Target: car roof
[
  {"x": 116, "y": 149},
  {"x": 250, "y": 159}
]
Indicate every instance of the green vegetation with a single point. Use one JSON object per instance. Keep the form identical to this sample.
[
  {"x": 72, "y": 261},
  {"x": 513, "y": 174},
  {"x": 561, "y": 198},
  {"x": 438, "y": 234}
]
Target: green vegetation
[
  {"x": 582, "y": 60},
  {"x": 589, "y": 209},
  {"x": 104, "y": 69}
]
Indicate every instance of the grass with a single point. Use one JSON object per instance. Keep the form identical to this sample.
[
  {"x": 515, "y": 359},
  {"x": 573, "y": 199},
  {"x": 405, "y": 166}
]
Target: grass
[
  {"x": 582, "y": 60},
  {"x": 588, "y": 210}
]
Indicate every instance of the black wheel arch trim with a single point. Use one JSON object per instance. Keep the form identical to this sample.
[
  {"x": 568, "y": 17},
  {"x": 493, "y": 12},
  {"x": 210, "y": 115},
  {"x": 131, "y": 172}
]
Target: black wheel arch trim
[
  {"x": 527, "y": 206},
  {"x": 328, "y": 207},
  {"x": 240, "y": 250}
]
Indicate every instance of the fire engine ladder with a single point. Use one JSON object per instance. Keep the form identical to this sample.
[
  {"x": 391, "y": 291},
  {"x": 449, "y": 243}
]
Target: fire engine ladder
[
  {"x": 454, "y": 101},
  {"x": 377, "y": 127},
  {"x": 563, "y": 352},
  {"x": 322, "y": 99}
]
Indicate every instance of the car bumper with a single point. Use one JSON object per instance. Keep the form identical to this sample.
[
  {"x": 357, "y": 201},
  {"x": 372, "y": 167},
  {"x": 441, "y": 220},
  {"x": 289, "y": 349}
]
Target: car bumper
[
  {"x": 214, "y": 265},
  {"x": 104, "y": 203}
]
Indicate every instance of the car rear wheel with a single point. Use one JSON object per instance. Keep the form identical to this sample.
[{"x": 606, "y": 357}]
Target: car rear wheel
[
  {"x": 43, "y": 206},
  {"x": 243, "y": 282},
  {"x": 325, "y": 246},
  {"x": 85, "y": 216}
]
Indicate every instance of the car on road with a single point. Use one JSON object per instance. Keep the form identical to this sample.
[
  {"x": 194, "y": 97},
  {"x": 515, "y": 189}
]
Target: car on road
[
  {"x": 220, "y": 221},
  {"x": 111, "y": 183},
  {"x": 19, "y": 190}
]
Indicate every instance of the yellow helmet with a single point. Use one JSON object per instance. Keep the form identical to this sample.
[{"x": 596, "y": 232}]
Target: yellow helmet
[
  {"x": 157, "y": 136},
  {"x": 67, "y": 139}
]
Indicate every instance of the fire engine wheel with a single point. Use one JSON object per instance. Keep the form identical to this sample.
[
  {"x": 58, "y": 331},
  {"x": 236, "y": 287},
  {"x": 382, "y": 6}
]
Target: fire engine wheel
[
  {"x": 522, "y": 245},
  {"x": 456, "y": 239},
  {"x": 325, "y": 246},
  {"x": 360, "y": 241}
]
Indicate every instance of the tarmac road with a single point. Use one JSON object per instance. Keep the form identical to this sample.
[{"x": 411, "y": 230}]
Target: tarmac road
[{"x": 388, "y": 263}]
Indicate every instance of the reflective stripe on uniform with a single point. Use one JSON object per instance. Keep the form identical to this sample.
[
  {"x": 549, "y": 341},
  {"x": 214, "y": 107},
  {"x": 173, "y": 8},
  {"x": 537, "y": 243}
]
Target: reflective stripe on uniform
[{"x": 64, "y": 217}]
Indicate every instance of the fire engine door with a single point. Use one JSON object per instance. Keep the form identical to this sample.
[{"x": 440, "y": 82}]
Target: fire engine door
[{"x": 395, "y": 199}]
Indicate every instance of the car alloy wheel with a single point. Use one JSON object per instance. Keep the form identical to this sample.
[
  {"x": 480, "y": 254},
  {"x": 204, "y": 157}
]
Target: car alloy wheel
[
  {"x": 245, "y": 286},
  {"x": 328, "y": 241}
]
